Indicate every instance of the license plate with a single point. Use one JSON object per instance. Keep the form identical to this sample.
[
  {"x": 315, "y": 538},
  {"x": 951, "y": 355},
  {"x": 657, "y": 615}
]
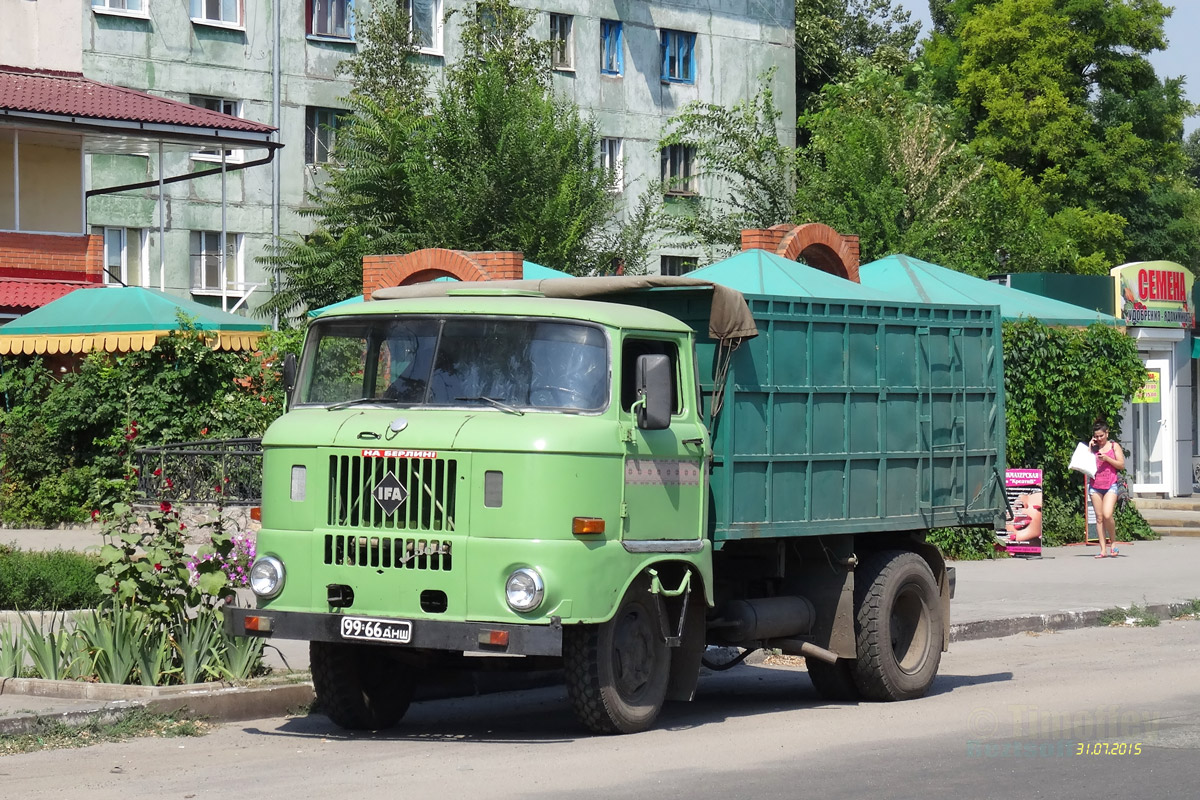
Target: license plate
[{"x": 377, "y": 630}]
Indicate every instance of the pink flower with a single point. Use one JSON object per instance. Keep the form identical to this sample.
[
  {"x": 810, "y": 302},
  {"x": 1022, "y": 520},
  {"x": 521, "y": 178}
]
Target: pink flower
[
  {"x": 158, "y": 472},
  {"x": 164, "y": 506},
  {"x": 95, "y": 513}
]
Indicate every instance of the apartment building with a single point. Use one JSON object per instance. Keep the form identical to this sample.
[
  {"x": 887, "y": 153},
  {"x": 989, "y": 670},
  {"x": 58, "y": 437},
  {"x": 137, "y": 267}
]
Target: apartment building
[{"x": 629, "y": 64}]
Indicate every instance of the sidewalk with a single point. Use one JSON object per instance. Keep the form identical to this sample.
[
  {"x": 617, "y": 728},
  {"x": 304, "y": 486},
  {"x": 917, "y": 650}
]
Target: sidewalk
[{"x": 1066, "y": 588}]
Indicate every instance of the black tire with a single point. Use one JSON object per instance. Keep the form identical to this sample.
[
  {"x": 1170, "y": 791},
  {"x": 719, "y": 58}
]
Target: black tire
[
  {"x": 360, "y": 687},
  {"x": 898, "y": 627},
  {"x": 617, "y": 672},
  {"x": 834, "y": 682}
]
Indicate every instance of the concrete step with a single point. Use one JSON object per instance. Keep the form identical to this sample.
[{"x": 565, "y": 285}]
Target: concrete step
[
  {"x": 1169, "y": 516},
  {"x": 1193, "y": 533},
  {"x": 1171, "y": 504}
]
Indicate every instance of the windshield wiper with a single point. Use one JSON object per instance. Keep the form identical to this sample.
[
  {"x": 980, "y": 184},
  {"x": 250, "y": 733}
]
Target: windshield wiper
[
  {"x": 497, "y": 403},
  {"x": 360, "y": 401}
]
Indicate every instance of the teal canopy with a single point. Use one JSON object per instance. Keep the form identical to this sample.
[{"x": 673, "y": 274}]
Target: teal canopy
[
  {"x": 529, "y": 271},
  {"x": 119, "y": 319},
  {"x": 762, "y": 272},
  {"x": 910, "y": 279}
]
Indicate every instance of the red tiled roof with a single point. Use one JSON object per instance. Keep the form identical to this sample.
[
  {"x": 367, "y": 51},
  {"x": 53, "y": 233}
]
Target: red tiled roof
[
  {"x": 71, "y": 94},
  {"x": 29, "y": 293}
]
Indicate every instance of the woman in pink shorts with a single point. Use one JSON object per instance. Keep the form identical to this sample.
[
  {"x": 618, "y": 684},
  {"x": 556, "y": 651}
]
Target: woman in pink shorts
[{"x": 1110, "y": 459}]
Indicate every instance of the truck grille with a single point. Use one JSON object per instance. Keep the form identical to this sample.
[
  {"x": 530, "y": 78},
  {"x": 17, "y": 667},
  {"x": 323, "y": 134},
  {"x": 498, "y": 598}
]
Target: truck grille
[
  {"x": 386, "y": 552},
  {"x": 430, "y": 484}
]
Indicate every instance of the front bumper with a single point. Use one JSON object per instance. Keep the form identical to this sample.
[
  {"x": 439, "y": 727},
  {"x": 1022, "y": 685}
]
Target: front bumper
[{"x": 526, "y": 640}]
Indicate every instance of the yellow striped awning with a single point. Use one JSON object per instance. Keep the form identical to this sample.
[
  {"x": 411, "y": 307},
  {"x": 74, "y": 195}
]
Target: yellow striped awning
[{"x": 116, "y": 342}]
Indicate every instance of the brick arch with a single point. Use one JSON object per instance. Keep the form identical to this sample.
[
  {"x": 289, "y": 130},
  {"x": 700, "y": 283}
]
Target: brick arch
[
  {"x": 435, "y": 262},
  {"x": 823, "y": 248}
]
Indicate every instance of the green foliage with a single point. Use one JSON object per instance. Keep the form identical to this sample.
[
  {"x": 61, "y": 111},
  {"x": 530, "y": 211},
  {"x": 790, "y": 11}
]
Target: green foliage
[
  {"x": 67, "y": 439},
  {"x": 1062, "y": 91},
  {"x": 834, "y": 38},
  {"x": 740, "y": 148},
  {"x": 964, "y": 544},
  {"x": 1057, "y": 382},
  {"x": 489, "y": 159},
  {"x": 34, "y": 581},
  {"x": 1135, "y": 615}
]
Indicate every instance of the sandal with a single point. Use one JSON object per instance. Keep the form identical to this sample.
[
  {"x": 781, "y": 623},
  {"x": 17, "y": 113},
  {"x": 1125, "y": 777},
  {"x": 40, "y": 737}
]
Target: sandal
[
  {"x": 1100, "y": 555},
  {"x": 1115, "y": 552}
]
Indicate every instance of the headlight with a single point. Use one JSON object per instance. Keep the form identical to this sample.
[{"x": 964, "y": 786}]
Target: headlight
[
  {"x": 266, "y": 576},
  {"x": 524, "y": 590}
]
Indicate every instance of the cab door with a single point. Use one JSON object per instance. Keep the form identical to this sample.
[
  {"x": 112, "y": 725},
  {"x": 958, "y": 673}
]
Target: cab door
[{"x": 665, "y": 479}]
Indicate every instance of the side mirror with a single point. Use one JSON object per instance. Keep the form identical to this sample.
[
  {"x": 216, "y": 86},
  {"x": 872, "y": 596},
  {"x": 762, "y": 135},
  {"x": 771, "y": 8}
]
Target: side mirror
[
  {"x": 289, "y": 378},
  {"x": 653, "y": 383}
]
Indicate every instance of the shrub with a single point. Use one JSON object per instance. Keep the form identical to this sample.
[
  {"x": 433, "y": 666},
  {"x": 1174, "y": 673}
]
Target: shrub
[
  {"x": 66, "y": 441},
  {"x": 36, "y": 581}
]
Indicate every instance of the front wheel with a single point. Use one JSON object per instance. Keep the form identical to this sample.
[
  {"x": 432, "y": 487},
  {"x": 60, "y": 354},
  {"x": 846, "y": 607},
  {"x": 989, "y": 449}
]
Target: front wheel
[
  {"x": 899, "y": 626},
  {"x": 360, "y": 687},
  {"x": 617, "y": 672}
]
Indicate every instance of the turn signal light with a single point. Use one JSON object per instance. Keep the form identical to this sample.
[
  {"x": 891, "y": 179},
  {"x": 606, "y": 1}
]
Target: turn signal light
[
  {"x": 260, "y": 624},
  {"x": 585, "y": 525},
  {"x": 493, "y": 638},
  {"x": 256, "y": 513}
]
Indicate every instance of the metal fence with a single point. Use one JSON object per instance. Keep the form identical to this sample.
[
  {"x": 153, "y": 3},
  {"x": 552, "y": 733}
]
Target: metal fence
[{"x": 215, "y": 472}]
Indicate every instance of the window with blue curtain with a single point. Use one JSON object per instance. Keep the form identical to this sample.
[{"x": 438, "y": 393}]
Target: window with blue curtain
[
  {"x": 228, "y": 12},
  {"x": 612, "y": 56},
  {"x": 678, "y": 57}
]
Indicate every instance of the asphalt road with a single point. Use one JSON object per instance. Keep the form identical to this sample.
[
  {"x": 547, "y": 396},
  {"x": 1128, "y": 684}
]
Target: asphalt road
[{"x": 1005, "y": 719}]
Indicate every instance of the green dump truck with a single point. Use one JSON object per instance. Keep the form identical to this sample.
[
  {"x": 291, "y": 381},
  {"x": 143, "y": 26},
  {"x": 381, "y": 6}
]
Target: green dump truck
[{"x": 611, "y": 476}]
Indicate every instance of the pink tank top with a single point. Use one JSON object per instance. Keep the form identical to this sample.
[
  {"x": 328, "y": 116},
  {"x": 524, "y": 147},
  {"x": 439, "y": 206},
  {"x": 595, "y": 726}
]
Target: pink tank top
[{"x": 1106, "y": 473}]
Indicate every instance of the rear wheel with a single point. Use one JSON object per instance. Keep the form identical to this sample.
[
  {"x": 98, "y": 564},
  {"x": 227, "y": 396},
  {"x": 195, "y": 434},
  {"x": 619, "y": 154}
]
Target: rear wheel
[
  {"x": 360, "y": 687},
  {"x": 899, "y": 626},
  {"x": 617, "y": 672}
]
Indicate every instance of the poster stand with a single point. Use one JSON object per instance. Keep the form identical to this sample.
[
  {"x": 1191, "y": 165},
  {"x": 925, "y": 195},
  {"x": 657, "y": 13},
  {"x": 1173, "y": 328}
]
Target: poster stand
[{"x": 1023, "y": 520}]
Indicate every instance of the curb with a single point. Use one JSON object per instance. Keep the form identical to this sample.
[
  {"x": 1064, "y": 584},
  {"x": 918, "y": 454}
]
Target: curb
[
  {"x": 239, "y": 703},
  {"x": 1066, "y": 621}
]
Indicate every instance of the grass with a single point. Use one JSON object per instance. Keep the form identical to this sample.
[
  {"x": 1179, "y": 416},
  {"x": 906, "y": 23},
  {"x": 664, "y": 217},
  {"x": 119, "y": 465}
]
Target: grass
[
  {"x": 52, "y": 734},
  {"x": 1189, "y": 610},
  {"x": 1136, "y": 616}
]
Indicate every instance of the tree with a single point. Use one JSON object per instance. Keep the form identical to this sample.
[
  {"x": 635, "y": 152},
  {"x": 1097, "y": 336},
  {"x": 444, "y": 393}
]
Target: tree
[
  {"x": 486, "y": 159},
  {"x": 753, "y": 174},
  {"x": 834, "y": 36},
  {"x": 1062, "y": 91}
]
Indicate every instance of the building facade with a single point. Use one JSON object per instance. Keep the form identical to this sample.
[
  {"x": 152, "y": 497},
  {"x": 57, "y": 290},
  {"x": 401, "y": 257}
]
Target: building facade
[{"x": 631, "y": 65}]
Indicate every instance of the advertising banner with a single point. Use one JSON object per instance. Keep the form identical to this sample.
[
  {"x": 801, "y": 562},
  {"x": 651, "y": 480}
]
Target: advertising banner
[
  {"x": 1154, "y": 294},
  {"x": 1023, "y": 520}
]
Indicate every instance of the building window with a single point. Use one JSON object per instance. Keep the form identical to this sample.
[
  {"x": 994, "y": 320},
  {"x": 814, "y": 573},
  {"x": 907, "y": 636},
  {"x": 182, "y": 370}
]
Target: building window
[
  {"x": 320, "y": 134},
  {"x": 125, "y": 256},
  {"x": 610, "y": 160},
  {"x": 222, "y": 12},
  {"x": 222, "y": 106},
  {"x": 425, "y": 17},
  {"x": 676, "y": 265},
  {"x": 332, "y": 18},
  {"x": 612, "y": 55},
  {"x": 678, "y": 57},
  {"x": 561, "y": 48},
  {"x": 122, "y": 6},
  {"x": 206, "y": 262},
  {"x": 677, "y": 169}
]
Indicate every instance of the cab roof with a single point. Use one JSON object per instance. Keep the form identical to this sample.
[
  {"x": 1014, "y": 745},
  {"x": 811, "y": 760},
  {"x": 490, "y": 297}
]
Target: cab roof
[{"x": 509, "y": 304}]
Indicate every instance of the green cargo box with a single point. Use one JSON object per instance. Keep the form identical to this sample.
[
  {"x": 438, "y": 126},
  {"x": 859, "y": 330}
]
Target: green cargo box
[{"x": 852, "y": 416}]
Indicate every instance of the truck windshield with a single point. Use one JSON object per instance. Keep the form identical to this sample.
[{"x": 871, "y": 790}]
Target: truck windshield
[{"x": 456, "y": 361}]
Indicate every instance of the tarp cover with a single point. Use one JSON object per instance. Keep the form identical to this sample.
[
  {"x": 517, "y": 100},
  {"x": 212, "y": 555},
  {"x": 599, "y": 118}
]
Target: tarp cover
[{"x": 730, "y": 317}]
